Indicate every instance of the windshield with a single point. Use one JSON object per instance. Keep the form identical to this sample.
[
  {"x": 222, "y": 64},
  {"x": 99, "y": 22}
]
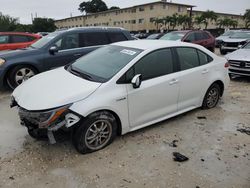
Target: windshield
[
  {"x": 173, "y": 36},
  {"x": 103, "y": 63},
  {"x": 43, "y": 41},
  {"x": 228, "y": 33},
  {"x": 246, "y": 46},
  {"x": 153, "y": 36},
  {"x": 241, "y": 35}
]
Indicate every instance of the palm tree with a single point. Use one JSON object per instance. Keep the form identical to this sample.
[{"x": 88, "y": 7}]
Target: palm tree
[
  {"x": 184, "y": 20},
  {"x": 174, "y": 20},
  {"x": 246, "y": 17},
  {"x": 167, "y": 21},
  {"x": 157, "y": 21},
  {"x": 209, "y": 16},
  {"x": 199, "y": 20}
]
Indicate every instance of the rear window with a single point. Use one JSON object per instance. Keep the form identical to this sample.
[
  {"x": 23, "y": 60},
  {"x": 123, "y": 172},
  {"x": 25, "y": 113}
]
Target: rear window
[
  {"x": 93, "y": 39},
  {"x": 19, "y": 38},
  {"x": 116, "y": 37}
]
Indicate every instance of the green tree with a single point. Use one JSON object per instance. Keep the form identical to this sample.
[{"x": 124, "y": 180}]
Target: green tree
[
  {"x": 174, "y": 20},
  {"x": 114, "y": 8},
  {"x": 227, "y": 22},
  {"x": 199, "y": 20},
  {"x": 157, "y": 22},
  {"x": 208, "y": 16},
  {"x": 7, "y": 23},
  {"x": 43, "y": 25},
  {"x": 92, "y": 6},
  {"x": 184, "y": 20},
  {"x": 246, "y": 17}
]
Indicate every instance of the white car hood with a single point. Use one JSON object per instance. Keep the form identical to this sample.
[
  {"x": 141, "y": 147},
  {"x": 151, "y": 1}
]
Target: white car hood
[
  {"x": 233, "y": 40},
  {"x": 241, "y": 55},
  {"x": 52, "y": 89}
]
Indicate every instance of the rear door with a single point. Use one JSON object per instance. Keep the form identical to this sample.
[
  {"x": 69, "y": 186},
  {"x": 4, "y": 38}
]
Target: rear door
[
  {"x": 18, "y": 41},
  {"x": 4, "y": 41},
  {"x": 194, "y": 71}
]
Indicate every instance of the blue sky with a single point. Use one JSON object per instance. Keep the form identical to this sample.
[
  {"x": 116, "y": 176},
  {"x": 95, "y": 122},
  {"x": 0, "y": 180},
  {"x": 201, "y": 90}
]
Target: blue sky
[{"x": 59, "y": 9}]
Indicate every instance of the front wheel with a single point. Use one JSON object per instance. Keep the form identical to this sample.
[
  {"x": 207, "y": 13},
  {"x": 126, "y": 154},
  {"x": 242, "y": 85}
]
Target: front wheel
[
  {"x": 95, "y": 133},
  {"x": 19, "y": 74},
  {"x": 212, "y": 96}
]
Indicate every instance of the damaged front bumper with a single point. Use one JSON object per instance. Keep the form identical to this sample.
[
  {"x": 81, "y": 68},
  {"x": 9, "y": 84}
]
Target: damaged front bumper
[{"x": 50, "y": 120}]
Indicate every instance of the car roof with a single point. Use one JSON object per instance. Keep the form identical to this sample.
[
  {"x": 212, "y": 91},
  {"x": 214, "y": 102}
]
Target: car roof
[
  {"x": 17, "y": 33},
  {"x": 92, "y": 29},
  {"x": 153, "y": 44}
]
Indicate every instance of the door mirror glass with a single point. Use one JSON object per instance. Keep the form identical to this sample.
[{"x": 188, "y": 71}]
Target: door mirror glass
[
  {"x": 136, "y": 81},
  {"x": 53, "y": 50}
]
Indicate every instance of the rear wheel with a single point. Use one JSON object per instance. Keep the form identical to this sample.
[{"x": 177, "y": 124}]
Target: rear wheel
[
  {"x": 19, "y": 74},
  {"x": 95, "y": 133},
  {"x": 212, "y": 96}
]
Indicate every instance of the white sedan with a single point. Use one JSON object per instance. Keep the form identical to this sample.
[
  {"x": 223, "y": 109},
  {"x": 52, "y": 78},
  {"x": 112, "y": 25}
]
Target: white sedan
[{"x": 120, "y": 88}]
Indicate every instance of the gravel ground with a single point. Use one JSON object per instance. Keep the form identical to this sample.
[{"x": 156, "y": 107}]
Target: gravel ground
[{"x": 219, "y": 155}]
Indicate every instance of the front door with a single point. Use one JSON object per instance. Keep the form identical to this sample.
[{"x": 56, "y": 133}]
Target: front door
[{"x": 158, "y": 93}]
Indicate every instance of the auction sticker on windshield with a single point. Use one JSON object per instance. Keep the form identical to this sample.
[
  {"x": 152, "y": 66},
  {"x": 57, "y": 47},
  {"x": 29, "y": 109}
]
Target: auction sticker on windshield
[{"x": 129, "y": 52}]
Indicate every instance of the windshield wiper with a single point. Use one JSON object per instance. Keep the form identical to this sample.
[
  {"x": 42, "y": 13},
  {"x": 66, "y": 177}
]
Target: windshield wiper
[{"x": 80, "y": 74}]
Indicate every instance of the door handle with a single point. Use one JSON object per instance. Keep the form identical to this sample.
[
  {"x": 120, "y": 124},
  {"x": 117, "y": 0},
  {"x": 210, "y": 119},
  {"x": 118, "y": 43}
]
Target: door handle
[
  {"x": 173, "y": 81},
  {"x": 205, "y": 71}
]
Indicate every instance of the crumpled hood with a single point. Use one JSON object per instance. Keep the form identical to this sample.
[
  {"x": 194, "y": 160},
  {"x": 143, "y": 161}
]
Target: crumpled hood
[
  {"x": 53, "y": 89},
  {"x": 241, "y": 55},
  {"x": 234, "y": 40}
]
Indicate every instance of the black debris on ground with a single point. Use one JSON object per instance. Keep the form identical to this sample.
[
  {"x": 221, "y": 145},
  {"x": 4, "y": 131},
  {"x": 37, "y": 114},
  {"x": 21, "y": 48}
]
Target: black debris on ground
[
  {"x": 244, "y": 130},
  {"x": 201, "y": 117},
  {"x": 173, "y": 143},
  {"x": 179, "y": 157}
]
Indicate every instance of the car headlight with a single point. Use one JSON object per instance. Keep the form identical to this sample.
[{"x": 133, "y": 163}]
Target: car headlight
[{"x": 2, "y": 61}]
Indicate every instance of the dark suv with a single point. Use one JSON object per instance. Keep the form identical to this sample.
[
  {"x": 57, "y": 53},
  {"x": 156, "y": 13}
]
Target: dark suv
[
  {"x": 203, "y": 38},
  {"x": 55, "y": 50}
]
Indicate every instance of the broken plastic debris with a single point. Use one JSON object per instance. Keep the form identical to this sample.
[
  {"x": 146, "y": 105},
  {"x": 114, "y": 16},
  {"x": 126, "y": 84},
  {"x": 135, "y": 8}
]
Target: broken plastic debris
[
  {"x": 173, "y": 143},
  {"x": 179, "y": 157}
]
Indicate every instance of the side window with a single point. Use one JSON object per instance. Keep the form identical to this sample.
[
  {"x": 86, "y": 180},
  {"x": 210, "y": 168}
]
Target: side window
[
  {"x": 206, "y": 36},
  {"x": 155, "y": 64},
  {"x": 190, "y": 37},
  {"x": 204, "y": 58},
  {"x": 116, "y": 37},
  {"x": 4, "y": 39},
  {"x": 188, "y": 58},
  {"x": 30, "y": 38},
  {"x": 69, "y": 41},
  {"x": 93, "y": 39},
  {"x": 19, "y": 38}
]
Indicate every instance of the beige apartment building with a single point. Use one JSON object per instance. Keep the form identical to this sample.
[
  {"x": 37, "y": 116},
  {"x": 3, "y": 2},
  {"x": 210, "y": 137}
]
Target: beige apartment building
[{"x": 136, "y": 18}]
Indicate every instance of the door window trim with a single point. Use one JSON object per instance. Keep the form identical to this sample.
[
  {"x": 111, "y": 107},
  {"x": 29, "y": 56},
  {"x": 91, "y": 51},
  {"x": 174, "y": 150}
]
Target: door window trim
[{"x": 174, "y": 61}]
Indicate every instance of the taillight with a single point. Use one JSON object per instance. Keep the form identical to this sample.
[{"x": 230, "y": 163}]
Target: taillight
[{"x": 226, "y": 65}]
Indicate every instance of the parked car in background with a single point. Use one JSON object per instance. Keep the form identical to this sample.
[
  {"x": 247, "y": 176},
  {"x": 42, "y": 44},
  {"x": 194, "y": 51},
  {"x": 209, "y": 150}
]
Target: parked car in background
[
  {"x": 120, "y": 88},
  {"x": 16, "y": 40},
  {"x": 235, "y": 41},
  {"x": 155, "y": 36},
  {"x": 225, "y": 35},
  {"x": 141, "y": 35},
  {"x": 239, "y": 61},
  {"x": 55, "y": 50},
  {"x": 203, "y": 38},
  {"x": 43, "y": 33}
]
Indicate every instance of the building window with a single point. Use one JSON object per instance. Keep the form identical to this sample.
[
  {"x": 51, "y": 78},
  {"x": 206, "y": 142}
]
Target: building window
[
  {"x": 151, "y": 7},
  {"x": 133, "y": 10},
  {"x": 141, "y": 20},
  {"x": 114, "y": 23},
  {"x": 165, "y": 7},
  {"x": 126, "y": 21},
  {"x": 133, "y": 21},
  {"x": 180, "y": 9},
  {"x": 141, "y": 9}
]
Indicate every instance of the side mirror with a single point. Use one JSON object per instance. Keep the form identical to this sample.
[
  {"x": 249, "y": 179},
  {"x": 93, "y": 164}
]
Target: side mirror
[
  {"x": 53, "y": 50},
  {"x": 240, "y": 46},
  {"x": 136, "y": 81}
]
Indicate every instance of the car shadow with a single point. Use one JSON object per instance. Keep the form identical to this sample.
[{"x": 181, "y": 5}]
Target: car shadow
[{"x": 236, "y": 78}]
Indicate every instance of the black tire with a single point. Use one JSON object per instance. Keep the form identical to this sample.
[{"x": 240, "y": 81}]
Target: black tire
[
  {"x": 212, "y": 96},
  {"x": 81, "y": 133},
  {"x": 13, "y": 73}
]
